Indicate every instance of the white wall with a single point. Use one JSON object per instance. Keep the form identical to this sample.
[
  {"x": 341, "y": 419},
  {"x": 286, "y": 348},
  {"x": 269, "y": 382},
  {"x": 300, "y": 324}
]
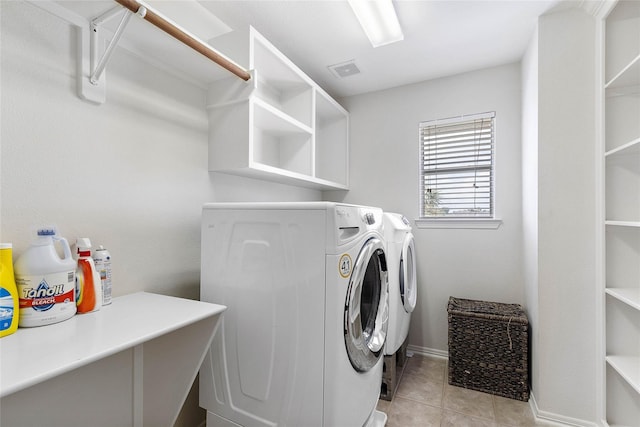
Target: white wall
[
  {"x": 131, "y": 174},
  {"x": 530, "y": 197},
  {"x": 478, "y": 264},
  {"x": 566, "y": 285}
]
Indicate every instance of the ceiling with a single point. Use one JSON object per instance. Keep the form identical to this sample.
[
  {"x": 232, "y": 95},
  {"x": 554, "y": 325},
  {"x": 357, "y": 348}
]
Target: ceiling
[{"x": 441, "y": 37}]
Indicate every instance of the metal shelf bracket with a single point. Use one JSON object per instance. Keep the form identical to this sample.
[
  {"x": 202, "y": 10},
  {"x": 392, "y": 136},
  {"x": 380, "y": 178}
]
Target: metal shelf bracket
[
  {"x": 93, "y": 80},
  {"x": 98, "y": 65},
  {"x": 93, "y": 57}
]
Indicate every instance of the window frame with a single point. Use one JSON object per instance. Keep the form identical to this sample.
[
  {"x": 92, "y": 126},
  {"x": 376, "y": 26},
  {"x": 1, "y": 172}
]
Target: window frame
[{"x": 465, "y": 222}]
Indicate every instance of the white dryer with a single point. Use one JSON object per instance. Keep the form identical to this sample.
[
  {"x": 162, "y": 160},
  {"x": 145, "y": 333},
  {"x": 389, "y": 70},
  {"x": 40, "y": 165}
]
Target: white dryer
[
  {"x": 302, "y": 340},
  {"x": 403, "y": 288}
]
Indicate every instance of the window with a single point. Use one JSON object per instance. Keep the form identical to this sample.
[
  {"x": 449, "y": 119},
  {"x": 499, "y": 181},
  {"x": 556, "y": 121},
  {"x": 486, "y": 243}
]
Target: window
[{"x": 456, "y": 168}]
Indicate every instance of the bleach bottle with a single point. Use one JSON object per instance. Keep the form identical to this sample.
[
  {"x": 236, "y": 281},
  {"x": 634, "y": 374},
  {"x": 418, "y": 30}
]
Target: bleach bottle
[
  {"x": 46, "y": 282},
  {"x": 8, "y": 292},
  {"x": 88, "y": 284}
]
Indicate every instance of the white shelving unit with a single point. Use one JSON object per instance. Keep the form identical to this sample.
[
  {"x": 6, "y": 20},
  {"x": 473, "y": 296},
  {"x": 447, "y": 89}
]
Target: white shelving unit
[
  {"x": 621, "y": 211},
  {"x": 130, "y": 364},
  {"x": 280, "y": 125}
]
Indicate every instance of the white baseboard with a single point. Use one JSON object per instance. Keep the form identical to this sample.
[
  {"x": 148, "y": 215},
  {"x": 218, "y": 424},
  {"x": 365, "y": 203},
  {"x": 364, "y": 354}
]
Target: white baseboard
[
  {"x": 425, "y": 351},
  {"x": 553, "y": 419}
]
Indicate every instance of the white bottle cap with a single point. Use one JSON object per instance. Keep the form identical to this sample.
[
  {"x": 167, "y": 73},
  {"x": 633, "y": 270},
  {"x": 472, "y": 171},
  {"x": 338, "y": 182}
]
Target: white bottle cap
[{"x": 83, "y": 243}]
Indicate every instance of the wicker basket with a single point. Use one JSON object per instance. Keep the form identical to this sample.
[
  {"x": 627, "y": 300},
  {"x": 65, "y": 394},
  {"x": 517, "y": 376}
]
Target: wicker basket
[{"x": 488, "y": 347}]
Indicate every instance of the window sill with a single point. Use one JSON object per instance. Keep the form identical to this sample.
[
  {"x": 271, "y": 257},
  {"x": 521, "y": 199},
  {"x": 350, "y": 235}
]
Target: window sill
[{"x": 462, "y": 223}]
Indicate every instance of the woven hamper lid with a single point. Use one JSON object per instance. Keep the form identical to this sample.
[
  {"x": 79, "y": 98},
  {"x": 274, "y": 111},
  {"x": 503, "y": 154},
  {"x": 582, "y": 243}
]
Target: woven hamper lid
[{"x": 487, "y": 309}]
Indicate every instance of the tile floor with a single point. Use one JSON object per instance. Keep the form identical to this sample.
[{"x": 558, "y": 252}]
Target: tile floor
[{"x": 424, "y": 399}]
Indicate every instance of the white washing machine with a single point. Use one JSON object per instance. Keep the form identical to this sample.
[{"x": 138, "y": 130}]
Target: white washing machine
[
  {"x": 302, "y": 340},
  {"x": 403, "y": 287}
]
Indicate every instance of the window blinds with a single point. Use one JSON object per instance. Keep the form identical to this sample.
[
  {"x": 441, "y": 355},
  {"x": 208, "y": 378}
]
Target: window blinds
[{"x": 456, "y": 176}]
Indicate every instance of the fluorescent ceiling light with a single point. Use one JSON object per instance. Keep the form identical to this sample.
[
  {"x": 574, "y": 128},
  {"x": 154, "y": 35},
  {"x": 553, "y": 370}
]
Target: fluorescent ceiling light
[{"x": 379, "y": 21}]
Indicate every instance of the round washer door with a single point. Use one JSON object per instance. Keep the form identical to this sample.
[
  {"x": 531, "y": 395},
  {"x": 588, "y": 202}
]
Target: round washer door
[
  {"x": 408, "y": 279},
  {"x": 366, "y": 313}
]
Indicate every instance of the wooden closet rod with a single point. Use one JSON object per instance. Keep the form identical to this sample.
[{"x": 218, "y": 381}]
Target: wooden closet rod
[{"x": 185, "y": 38}]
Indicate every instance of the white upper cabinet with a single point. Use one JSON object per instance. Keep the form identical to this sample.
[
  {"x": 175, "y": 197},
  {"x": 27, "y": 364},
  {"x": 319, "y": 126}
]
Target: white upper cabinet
[{"x": 279, "y": 125}]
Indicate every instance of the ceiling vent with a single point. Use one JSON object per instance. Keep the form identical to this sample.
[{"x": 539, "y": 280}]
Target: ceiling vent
[{"x": 344, "y": 69}]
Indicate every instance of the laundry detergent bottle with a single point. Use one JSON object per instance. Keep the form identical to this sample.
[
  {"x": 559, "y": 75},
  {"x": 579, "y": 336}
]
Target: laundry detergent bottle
[
  {"x": 88, "y": 284},
  {"x": 9, "y": 310},
  {"x": 45, "y": 281}
]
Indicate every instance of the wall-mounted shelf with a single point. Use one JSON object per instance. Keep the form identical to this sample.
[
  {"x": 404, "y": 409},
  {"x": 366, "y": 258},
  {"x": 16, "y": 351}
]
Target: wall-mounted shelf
[
  {"x": 130, "y": 364},
  {"x": 628, "y": 368},
  {"x": 623, "y": 223},
  {"x": 279, "y": 126},
  {"x": 629, "y": 148},
  {"x": 629, "y": 76},
  {"x": 630, "y": 296}
]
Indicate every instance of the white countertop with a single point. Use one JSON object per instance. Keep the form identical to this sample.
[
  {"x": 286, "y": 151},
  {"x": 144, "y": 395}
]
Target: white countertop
[{"x": 33, "y": 355}]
